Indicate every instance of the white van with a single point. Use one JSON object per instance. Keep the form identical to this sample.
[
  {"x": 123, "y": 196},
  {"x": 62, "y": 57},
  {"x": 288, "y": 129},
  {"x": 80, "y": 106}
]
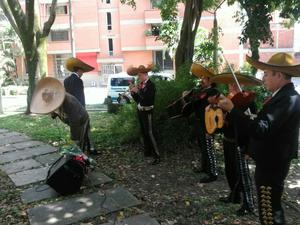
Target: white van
[{"x": 119, "y": 83}]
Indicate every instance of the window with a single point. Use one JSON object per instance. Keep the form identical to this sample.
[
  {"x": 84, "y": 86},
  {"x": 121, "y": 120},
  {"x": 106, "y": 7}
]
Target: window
[
  {"x": 155, "y": 3},
  {"x": 108, "y": 18},
  {"x": 108, "y": 2},
  {"x": 111, "y": 68},
  {"x": 60, "y": 9},
  {"x": 110, "y": 47},
  {"x": 163, "y": 60},
  {"x": 121, "y": 81},
  {"x": 59, "y": 62},
  {"x": 59, "y": 35}
]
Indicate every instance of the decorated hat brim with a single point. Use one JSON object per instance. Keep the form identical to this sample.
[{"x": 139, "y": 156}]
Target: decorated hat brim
[
  {"x": 73, "y": 63},
  {"x": 200, "y": 71},
  {"x": 38, "y": 105},
  {"x": 293, "y": 70},
  {"x": 227, "y": 78}
]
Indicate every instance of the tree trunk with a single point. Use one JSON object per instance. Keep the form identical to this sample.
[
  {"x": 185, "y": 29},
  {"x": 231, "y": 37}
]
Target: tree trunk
[
  {"x": 185, "y": 50},
  {"x": 254, "y": 47},
  {"x": 43, "y": 60},
  {"x": 216, "y": 43},
  {"x": 1, "y": 107},
  {"x": 31, "y": 67}
]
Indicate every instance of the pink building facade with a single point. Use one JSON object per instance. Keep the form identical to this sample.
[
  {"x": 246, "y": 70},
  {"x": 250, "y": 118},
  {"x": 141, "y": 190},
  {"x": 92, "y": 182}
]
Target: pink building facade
[{"x": 111, "y": 37}]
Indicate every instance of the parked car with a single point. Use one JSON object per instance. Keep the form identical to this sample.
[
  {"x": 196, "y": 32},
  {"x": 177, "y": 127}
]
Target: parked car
[{"x": 119, "y": 83}]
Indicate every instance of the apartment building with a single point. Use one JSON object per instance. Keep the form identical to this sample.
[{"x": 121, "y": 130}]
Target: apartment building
[{"x": 111, "y": 36}]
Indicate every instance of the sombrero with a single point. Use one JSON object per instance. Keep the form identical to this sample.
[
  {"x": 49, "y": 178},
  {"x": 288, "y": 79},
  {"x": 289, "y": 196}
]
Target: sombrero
[
  {"x": 281, "y": 62},
  {"x": 227, "y": 78},
  {"x": 72, "y": 63},
  {"x": 200, "y": 71},
  {"x": 48, "y": 95},
  {"x": 133, "y": 71}
]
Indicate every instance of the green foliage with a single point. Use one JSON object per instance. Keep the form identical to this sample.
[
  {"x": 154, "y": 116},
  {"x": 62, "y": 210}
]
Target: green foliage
[
  {"x": 116, "y": 129},
  {"x": 204, "y": 48}
]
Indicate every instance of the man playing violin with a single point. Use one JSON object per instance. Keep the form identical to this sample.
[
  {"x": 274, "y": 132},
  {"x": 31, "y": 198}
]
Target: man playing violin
[
  {"x": 273, "y": 134},
  {"x": 235, "y": 144},
  {"x": 205, "y": 140}
]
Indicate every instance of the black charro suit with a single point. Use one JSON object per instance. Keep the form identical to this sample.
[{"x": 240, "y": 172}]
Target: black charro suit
[
  {"x": 145, "y": 99},
  {"x": 273, "y": 144},
  {"x": 74, "y": 86}
]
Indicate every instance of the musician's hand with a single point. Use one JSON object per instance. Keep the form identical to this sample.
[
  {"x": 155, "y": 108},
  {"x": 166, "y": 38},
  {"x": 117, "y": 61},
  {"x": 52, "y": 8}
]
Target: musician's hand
[
  {"x": 247, "y": 157},
  {"x": 184, "y": 93},
  {"x": 225, "y": 103},
  {"x": 134, "y": 89},
  {"x": 207, "y": 107},
  {"x": 213, "y": 99},
  {"x": 53, "y": 115}
]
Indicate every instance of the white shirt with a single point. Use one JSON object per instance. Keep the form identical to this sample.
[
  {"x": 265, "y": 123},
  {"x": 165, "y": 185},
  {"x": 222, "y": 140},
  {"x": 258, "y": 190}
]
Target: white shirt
[{"x": 274, "y": 93}]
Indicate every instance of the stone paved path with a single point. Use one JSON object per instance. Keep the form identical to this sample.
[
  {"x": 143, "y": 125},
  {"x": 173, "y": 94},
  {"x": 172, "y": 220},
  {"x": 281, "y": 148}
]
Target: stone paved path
[{"x": 27, "y": 161}]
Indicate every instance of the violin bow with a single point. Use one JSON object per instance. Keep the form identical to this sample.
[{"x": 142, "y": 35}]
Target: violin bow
[{"x": 236, "y": 80}]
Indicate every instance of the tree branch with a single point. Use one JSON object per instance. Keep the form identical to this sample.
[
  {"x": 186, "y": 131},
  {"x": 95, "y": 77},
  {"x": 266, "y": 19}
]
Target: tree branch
[
  {"x": 18, "y": 14},
  {"x": 8, "y": 14},
  {"x": 30, "y": 15},
  {"x": 49, "y": 23}
]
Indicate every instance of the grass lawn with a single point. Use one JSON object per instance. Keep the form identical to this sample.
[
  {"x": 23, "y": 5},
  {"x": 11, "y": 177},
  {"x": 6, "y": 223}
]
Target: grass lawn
[
  {"x": 44, "y": 128},
  {"x": 170, "y": 192}
]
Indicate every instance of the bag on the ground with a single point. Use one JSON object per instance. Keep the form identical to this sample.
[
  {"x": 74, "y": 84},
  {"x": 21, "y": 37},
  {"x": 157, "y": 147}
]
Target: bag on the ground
[{"x": 66, "y": 175}]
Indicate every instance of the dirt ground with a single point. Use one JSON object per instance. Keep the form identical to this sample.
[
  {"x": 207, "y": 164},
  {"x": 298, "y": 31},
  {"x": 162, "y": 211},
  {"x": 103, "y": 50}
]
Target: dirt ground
[{"x": 169, "y": 191}]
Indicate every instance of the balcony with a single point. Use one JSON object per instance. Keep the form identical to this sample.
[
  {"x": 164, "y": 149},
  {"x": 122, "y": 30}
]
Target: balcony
[
  {"x": 152, "y": 16},
  {"x": 153, "y": 44}
]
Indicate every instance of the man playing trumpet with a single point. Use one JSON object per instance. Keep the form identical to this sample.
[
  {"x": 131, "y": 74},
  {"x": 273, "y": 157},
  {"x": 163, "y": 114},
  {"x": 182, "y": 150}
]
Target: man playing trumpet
[{"x": 144, "y": 96}]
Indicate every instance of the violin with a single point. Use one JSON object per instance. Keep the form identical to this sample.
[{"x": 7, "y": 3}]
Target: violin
[{"x": 214, "y": 116}]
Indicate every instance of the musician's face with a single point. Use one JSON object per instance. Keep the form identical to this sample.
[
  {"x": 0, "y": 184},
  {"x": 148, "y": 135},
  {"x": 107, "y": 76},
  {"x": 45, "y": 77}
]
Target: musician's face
[
  {"x": 142, "y": 76},
  {"x": 271, "y": 80},
  {"x": 205, "y": 82}
]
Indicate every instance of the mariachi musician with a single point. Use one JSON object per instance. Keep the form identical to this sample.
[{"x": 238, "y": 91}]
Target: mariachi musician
[
  {"x": 235, "y": 143},
  {"x": 273, "y": 134},
  {"x": 205, "y": 140},
  {"x": 144, "y": 95},
  {"x": 50, "y": 97}
]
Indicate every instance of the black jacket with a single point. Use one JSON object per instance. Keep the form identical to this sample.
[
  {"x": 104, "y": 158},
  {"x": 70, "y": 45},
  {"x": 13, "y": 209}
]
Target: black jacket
[
  {"x": 74, "y": 86},
  {"x": 145, "y": 96},
  {"x": 200, "y": 101},
  {"x": 71, "y": 112},
  {"x": 274, "y": 133}
]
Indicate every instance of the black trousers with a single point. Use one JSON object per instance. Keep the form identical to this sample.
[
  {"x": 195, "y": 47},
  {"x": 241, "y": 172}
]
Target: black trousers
[
  {"x": 231, "y": 169},
  {"x": 146, "y": 124},
  {"x": 238, "y": 175},
  {"x": 206, "y": 142},
  {"x": 270, "y": 184}
]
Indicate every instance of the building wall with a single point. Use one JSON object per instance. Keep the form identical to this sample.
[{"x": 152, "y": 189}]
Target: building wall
[{"x": 130, "y": 44}]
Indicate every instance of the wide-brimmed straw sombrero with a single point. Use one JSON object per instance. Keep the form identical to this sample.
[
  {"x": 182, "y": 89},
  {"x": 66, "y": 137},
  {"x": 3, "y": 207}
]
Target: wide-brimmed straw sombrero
[
  {"x": 73, "y": 63},
  {"x": 281, "y": 62},
  {"x": 48, "y": 95},
  {"x": 133, "y": 71},
  {"x": 227, "y": 78},
  {"x": 200, "y": 71}
]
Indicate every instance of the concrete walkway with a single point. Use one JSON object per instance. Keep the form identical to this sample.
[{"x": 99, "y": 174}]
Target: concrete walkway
[{"x": 27, "y": 161}]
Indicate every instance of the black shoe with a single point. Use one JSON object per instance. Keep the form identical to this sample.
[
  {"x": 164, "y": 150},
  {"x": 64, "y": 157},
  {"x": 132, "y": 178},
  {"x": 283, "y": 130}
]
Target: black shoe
[
  {"x": 155, "y": 161},
  {"x": 93, "y": 152},
  {"x": 244, "y": 211},
  {"x": 208, "y": 179},
  {"x": 199, "y": 170},
  {"x": 147, "y": 154},
  {"x": 225, "y": 199},
  {"x": 229, "y": 199}
]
